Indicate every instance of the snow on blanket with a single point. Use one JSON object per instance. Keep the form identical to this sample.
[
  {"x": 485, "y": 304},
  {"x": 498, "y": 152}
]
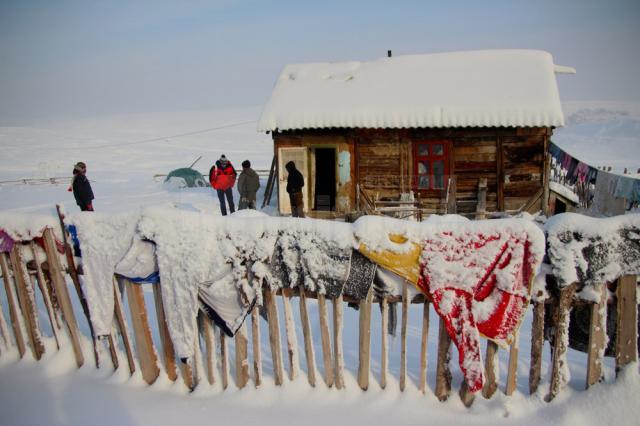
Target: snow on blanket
[
  {"x": 26, "y": 227},
  {"x": 592, "y": 250},
  {"x": 478, "y": 275}
]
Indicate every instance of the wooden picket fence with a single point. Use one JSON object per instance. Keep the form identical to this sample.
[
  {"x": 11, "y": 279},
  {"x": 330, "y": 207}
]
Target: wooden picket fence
[{"x": 44, "y": 272}]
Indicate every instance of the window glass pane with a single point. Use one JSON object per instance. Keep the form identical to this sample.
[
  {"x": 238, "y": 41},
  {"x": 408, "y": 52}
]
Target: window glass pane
[
  {"x": 437, "y": 149},
  {"x": 438, "y": 174},
  {"x": 423, "y": 175},
  {"x": 423, "y": 150}
]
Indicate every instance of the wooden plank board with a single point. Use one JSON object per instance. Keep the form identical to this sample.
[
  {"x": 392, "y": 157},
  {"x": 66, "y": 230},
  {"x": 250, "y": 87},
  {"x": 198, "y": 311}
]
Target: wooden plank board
[
  {"x": 224, "y": 360},
  {"x": 627, "y": 322},
  {"x": 145, "y": 348},
  {"x": 466, "y": 397},
  {"x": 242, "y": 357},
  {"x": 26, "y": 298},
  {"x": 292, "y": 340},
  {"x": 308, "y": 338},
  {"x": 274, "y": 335},
  {"x": 325, "y": 334},
  {"x": 424, "y": 348},
  {"x": 512, "y": 371},
  {"x": 443, "y": 374},
  {"x": 206, "y": 330},
  {"x": 364, "y": 341},
  {"x": 403, "y": 336},
  {"x": 560, "y": 342},
  {"x": 491, "y": 381},
  {"x": 537, "y": 343},
  {"x": 62, "y": 294},
  {"x": 597, "y": 338},
  {"x": 44, "y": 290},
  {"x": 12, "y": 301},
  {"x": 257, "y": 354},
  {"x": 121, "y": 322},
  {"x": 337, "y": 342},
  {"x": 168, "y": 351},
  {"x": 384, "y": 356}
]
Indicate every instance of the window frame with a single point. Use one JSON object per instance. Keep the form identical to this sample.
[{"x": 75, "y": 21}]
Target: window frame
[{"x": 430, "y": 159}]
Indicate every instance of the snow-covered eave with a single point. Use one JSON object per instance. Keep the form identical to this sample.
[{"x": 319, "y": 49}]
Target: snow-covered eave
[{"x": 290, "y": 129}]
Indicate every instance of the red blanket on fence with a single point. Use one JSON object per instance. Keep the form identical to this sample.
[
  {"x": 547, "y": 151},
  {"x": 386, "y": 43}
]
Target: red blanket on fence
[{"x": 479, "y": 284}]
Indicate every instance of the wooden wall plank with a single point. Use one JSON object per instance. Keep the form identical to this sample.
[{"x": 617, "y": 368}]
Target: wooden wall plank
[{"x": 627, "y": 322}]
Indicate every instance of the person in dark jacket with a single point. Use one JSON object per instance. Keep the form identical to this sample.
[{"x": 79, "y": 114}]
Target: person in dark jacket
[
  {"x": 222, "y": 177},
  {"x": 81, "y": 187},
  {"x": 295, "y": 183},
  {"x": 248, "y": 184}
]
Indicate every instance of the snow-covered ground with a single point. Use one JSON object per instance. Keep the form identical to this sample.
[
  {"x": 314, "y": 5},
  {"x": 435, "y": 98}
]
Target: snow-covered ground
[{"x": 124, "y": 153}]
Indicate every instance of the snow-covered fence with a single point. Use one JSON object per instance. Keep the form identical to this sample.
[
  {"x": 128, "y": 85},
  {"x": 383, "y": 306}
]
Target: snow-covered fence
[{"x": 215, "y": 272}]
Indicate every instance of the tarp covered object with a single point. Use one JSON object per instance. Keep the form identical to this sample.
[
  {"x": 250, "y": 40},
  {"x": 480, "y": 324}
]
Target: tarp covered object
[{"x": 192, "y": 178}]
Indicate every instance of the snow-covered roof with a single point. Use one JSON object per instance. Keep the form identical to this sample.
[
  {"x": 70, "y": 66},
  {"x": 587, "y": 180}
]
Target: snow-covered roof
[{"x": 495, "y": 88}]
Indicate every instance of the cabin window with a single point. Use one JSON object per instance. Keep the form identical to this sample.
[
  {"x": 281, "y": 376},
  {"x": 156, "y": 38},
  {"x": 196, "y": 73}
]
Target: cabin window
[{"x": 431, "y": 165}]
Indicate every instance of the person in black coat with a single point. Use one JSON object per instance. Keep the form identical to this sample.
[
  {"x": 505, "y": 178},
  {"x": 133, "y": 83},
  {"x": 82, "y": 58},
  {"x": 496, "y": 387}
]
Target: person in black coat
[
  {"x": 295, "y": 183},
  {"x": 81, "y": 187}
]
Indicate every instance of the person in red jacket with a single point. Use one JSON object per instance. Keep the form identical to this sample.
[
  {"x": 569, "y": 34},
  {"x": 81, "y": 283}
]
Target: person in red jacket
[{"x": 222, "y": 177}]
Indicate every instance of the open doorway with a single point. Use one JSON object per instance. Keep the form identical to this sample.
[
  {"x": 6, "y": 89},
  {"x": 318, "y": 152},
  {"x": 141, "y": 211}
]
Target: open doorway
[{"x": 325, "y": 184}]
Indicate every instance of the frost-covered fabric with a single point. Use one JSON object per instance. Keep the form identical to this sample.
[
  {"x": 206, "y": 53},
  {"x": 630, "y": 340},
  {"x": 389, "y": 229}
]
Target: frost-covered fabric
[
  {"x": 362, "y": 271},
  {"x": 139, "y": 262},
  {"x": 592, "y": 251},
  {"x": 104, "y": 241}
]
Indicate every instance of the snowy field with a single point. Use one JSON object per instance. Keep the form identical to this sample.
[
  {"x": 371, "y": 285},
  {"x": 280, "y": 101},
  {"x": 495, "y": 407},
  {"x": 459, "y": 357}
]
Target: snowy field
[{"x": 124, "y": 153}]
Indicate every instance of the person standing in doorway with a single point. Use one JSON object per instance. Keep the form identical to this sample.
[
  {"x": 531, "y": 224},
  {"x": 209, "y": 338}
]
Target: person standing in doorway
[
  {"x": 248, "y": 184},
  {"x": 222, "y": 177},
  {"x": 295, "y": 183},
  {"x": 81, "y": 187}
]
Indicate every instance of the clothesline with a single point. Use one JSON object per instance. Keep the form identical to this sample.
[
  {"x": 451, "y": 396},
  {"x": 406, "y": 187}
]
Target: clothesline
[{"x": 618, "y": 186}]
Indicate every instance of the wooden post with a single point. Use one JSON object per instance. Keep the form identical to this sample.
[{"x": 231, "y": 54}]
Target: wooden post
[
  {"x": 274, "y": 335},
  {"x": 481, "y": 208},
  {"x": 189, "y": 370},
  {"x": 627, "y": 322},
  {"x": 500, "y": 174},
  {"x": 403, "y": 336},
  {"x": 424, "y": 348},
  {"x": 545, "y": 177},
  {"x": 365, "y": 341},
  {"x": 491, "y": 383},
  {"x": 384, "y": 361},
  {"x": 597, "y": 338},
  {"x": 242, "y": 357},
  {"x": 224, "y": 360},
  {"x": 443, "y": 374},
  {"x": 26, "y": 298},
  {"x": 4, "y": 331},
  {"x": 257, "y": 354},
  {"x": 326, "y": 340},
  {"x": 308, "y": 338},
  {"x": 452, "y": 206},
  {"x": 206, "y": 329},
  {"x": 60, "y": 286},
  {"x": 337, "y": 342},
  {"x": 559, "y": 369},
  {"x": 42, "y": 285},
  {"x": 512, "y": 372},
  {"x": 14, "y": 313},
  {"x": 537, "y": 343},
  {"x": 121, "y": 322},
  {"x": 290, "y": 329},
  {"x": 168, "y": 351},
  {"x": 147, "y": 355},
  {"x": 466, "y": 397}
]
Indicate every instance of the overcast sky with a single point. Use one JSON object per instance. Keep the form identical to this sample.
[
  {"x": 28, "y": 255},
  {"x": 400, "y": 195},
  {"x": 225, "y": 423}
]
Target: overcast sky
[{"x": 71, "y": 58}]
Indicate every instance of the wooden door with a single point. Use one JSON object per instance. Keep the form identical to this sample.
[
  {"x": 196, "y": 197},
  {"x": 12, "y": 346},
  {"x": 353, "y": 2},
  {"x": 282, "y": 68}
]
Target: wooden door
[{"x": 300, "y": 157}]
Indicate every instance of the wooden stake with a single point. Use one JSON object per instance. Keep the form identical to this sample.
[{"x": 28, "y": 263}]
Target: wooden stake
[
  {"x": 121, "y": 322},
  {"x": 26, "y": 298},
  {"x": 14, "y": 313},
  {"x": 491, "y": 383},
  {"x": 292, "y": 340},
  {"x": 466, "y": 397},
  {"x": 257, "y": 354},
  {"x": 224, "y": 360},
  {"x": 403, "y": 336},
  {"x": 147, "y": 354},
  {"x": 627, "y": 322},
  {"x": 424, "y": 347},
  {"x": 326, "y": 340},
  {"x": 188, "y": 371},
  {"x": 512, "y": 372},
  {"x": 537, "y": 343},
  {"x": 242, "y": 357},
  {"x": 4, "y": 331},
  {"x": 597, "y": 337},
  {"x": 308, "y": 338},
  {"x": 443, "y": 374},
  {"x": 42, "y": 285},
  {"x": 206, "y": 330},
  {"x": 60, "y": 286},
  {"x": 274, "y": 335},
  {"x": 384, "y": 356},
  {"x": 168, "y": 351},
  {"x": 365, "y": 341},
  {"x": 337, "y": 342},
  {"x": 560, "y": 341}
]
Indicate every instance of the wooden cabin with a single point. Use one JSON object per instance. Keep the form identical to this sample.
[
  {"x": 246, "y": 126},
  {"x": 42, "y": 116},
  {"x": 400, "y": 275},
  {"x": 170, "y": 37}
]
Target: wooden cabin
[{"x": 434, "y": 131}]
